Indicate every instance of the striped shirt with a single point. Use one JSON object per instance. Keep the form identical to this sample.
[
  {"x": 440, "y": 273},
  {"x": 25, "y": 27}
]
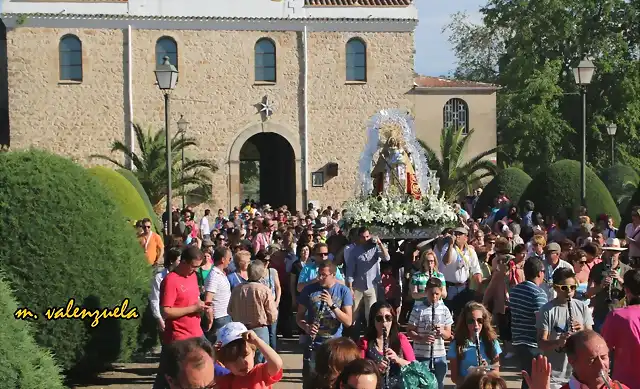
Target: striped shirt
[
  {"x": 218, "y": 284},
  {"x": 526, "y": 300},
  {"x": 420, "y": 280},
  {"x": 421, "y": 319}
]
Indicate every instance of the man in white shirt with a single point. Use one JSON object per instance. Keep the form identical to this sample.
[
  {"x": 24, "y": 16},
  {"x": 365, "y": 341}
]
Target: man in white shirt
[
  {"x": 632, "y": 234},
  {"x": 459, "y": 263},
  {"x": 218, "y": 292},
  {"x": 552, "y": 262},
  {"x": 205, "y": 229}
]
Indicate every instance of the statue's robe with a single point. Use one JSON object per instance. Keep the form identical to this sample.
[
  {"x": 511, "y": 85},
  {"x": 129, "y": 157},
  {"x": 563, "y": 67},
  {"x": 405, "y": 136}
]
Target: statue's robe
[{"x": 382, "y": 166}]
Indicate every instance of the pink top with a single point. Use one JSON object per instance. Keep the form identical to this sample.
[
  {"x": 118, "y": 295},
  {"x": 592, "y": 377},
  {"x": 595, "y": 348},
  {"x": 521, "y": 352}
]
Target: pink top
[
  {"x": 405, "y": 347},
  {"x": 621, "y": 331}
]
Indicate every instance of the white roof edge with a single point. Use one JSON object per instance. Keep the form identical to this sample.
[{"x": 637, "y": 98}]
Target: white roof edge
[{"x": 285, "y": 9}]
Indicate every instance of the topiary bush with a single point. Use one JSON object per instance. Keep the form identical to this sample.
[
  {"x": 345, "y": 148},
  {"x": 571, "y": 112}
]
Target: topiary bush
[
  {"x": 123, "y": 192},
  {"x": 617, "y": 179},
  {"x": 128, "y": 174},
  {"x": 23, "y": 364},
  {"x": 626, "y": 215},
  {"x": 512, "y": 181},
  {"x": 64, "y": 237},
  {"x": 557, "y": 187}
]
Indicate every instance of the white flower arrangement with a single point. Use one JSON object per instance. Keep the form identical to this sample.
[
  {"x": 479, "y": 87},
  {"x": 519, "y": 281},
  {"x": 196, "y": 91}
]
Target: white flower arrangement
[{"x": 400, "y": 214}]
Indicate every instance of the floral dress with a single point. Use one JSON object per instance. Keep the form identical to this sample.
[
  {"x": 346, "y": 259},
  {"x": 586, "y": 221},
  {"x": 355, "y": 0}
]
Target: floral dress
[{"x": 374, "y": 355}]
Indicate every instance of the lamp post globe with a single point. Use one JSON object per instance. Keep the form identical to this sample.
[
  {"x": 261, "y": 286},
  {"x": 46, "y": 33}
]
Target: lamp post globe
[
  {"x": 166, "y": 76},
  {"x": 182, "y": 124},
  {"x": 583, "y": 73}
]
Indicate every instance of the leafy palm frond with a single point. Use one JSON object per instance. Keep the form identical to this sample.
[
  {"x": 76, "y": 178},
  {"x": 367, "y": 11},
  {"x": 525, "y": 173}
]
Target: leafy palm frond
[
  {"x": 150, "y": 164},
  {"x": 458, "y": 173}
]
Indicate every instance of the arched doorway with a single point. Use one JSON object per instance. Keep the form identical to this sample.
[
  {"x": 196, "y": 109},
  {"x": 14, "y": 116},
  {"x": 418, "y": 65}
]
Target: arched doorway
[{"x": 268, "y": 170}]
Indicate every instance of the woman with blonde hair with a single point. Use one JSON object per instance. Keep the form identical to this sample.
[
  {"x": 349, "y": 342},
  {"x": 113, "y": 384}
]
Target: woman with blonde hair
[
  {"x": 331, "y": 358},
  {"x": 475, "y": 343},
  {"x": 428, "y": 269}
]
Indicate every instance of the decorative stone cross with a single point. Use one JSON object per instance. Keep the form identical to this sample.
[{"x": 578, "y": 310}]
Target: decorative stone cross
[{"x": 266, "y": 108}]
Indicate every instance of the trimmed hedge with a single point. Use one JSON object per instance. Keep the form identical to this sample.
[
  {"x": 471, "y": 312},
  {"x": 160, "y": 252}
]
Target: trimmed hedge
[
  {"x": 64, "y": 237},
  {"x": 23, "y": 364},
  {"x": 128, "y": 174},
  {"x": 124, "y": 194},
  {"x": 626, "y": 216},
  {"x": 557, "y": 187},
  {"x": 512, "y": 181},
  {"x": 615, "y": 177}
]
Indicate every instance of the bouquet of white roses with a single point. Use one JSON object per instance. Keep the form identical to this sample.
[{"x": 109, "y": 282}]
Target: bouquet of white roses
[{"x": 400, "y": 213}]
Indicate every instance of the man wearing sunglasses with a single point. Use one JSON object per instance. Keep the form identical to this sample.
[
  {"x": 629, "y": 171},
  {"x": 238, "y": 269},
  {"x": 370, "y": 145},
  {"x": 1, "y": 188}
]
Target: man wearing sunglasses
[
  {"x": 556, "y": 324},
  {"x": 552, "y": 264},
  {"x": 152, "y": 243},
  {"x": 459, "y": 264}
]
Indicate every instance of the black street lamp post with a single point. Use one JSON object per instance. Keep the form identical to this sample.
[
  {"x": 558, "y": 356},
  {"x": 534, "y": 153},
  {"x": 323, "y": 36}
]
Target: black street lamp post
[
  {"x": 182, "y": 129},
  {"x": 611, "y": 130},
  {"x": 166, "y": 77},
  {"x": 583, "y": 74}
]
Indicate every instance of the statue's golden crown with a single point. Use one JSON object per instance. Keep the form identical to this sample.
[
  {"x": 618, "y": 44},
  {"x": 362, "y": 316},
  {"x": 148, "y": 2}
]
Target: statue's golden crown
[{"x": 391, "y": 131}]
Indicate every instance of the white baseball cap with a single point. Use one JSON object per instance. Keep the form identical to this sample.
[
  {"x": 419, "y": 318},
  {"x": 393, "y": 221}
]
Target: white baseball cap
[{"x": 230, "y": 332}]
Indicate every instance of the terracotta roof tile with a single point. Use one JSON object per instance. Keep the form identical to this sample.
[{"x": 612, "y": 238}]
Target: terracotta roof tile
[
  {"x": 357, "y": 3},
  {"x": 437, "y": 82}
]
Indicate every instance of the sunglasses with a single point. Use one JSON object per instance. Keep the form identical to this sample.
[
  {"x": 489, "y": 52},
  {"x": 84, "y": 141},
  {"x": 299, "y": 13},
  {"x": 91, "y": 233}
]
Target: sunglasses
[
  {"x": 565, "y": 288},
  {"x": 145, "y": 227},
  {"x": 385, "y": 318},
  {"x": 323, "y": 254},
  {"x": 471, "y": 320}
]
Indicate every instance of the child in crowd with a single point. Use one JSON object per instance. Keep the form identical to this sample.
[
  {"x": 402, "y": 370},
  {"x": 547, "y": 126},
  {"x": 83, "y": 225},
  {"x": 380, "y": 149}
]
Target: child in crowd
[
  {"x": 429, "y": 325},
  {"x": 557, "y": 323},
  {"x": 475, "y": 344},
  {"x": 236, "y": 351},
  {"x": 390, "y": 285}
]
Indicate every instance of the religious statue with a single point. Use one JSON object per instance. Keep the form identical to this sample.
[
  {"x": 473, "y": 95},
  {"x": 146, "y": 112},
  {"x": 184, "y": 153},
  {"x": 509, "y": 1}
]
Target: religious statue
[{"x": 393, "y": 173}]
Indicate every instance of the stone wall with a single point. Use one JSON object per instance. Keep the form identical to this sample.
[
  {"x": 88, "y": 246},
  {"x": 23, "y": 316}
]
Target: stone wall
[
  {"x": 72, "y": 119},
  {"x": 216, "y": 92}
]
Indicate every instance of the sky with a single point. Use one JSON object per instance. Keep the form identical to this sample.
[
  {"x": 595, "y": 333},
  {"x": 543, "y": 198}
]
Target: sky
[{"x": 433, "y": 52}]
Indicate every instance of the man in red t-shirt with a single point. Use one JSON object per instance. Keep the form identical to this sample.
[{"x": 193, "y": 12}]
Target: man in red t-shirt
[
  {"x": 180, "y": 305},
  {"x": 588, "y": 354}
]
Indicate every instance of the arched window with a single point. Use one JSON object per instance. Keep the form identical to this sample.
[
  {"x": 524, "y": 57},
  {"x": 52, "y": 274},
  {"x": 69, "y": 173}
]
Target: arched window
[
  {"x": 70, "y": 51},
  {"x": 356, "y": 60},
  {"x": 265, "y": 53},
  {"x": 456, "y": 114},
  {"x": 167, "y": 47}
]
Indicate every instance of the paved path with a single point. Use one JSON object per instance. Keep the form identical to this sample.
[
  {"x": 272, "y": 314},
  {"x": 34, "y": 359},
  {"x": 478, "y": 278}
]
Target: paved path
[{"x": 140, "y": 375}]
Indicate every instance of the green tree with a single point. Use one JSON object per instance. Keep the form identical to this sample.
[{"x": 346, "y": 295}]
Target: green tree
[
  {"x": 477, "y": 48},
  {"x": 539, "y": 105},
  {"x": 23, "y": 364},
  {"x": 150, "y": 165},
  {"x": 457, "y": 172}
]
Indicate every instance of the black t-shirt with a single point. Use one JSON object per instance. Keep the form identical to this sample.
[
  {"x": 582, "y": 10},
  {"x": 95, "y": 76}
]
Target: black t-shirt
[
  {"x": 296, "y": 268},
  {"x": 600, "y": 301}
]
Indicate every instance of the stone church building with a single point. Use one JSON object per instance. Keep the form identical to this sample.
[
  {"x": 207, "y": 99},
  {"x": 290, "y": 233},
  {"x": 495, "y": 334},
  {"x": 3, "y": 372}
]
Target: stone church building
[{"x": 81, "y": 72}]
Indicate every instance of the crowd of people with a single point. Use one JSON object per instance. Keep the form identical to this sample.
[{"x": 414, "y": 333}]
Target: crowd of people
[{"x": 561, "y": 297}]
